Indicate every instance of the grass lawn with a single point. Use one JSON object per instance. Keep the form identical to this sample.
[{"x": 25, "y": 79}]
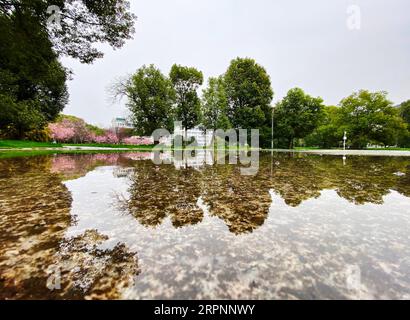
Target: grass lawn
[
  {"x": 38, "y": 152},
  {"x": 391, "y": 149},
  {"x": 20, "y": 144}
]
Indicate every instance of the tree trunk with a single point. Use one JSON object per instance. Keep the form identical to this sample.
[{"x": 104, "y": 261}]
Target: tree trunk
[{"x": 291, "y": 144}]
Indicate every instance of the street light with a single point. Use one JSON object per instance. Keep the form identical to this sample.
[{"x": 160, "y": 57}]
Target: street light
[
  {"x": 344, "y": 140},
  {"x": 273, "y": 112},
  {"x": 344, "y": 147}
]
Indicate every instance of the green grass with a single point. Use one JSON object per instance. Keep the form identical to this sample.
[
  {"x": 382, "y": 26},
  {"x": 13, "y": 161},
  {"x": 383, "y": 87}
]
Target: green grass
[
  {"x": 20, "y": 144},
  {"x": 390, "y": 149},
  {"x": 6, "y": 154},
  {"x": 372, "y": 149}
]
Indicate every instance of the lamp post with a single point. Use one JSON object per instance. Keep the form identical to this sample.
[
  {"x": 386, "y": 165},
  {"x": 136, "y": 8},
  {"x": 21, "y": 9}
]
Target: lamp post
[
  {"x": 344, "y": 140},
  {"x": 273, "y": 112},
  {"x": 344, "y": 147},
  {"x": 271, "y": 158}
]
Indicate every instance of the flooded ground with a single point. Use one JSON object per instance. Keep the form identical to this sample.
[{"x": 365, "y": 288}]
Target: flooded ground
[{"x": 117, "y": 226}]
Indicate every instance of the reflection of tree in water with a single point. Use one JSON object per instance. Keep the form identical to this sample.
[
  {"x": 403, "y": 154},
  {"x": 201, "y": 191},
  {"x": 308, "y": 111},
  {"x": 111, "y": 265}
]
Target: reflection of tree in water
[
  {"x": 35, "y": 214},
  {"x": 74, "y": 166},
  {"x": 295, "y": 178},
  {"x": 362, "y": 180},
  {"x": 92, "y": 273},
  {"x": 403, "y": 183},
  {"x": 158, "y": 192},
  {"x": 242, "y": 202}
]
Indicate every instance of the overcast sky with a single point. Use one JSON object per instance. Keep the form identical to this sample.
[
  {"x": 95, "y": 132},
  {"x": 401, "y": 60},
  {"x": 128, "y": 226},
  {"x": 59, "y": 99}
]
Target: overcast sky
[{"x": 300, "y": 43}]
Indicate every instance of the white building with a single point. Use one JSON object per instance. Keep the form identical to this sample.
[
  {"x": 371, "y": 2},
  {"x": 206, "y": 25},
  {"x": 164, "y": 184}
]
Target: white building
[
  {"x": 202, "y": 138},
  {"x": 119, "y": 123}
]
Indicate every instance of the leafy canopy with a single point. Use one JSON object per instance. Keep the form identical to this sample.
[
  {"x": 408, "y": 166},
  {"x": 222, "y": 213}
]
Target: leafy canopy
[
  {"x": 249, "y": 93},
  {"x": 215, "y": 105},
  {"x": 150, "y": 97},
  {"x": 369, "y": 117},
  {"x": 186, "y": 82},
  {"x": 297, "y": 115},
  {"x": 82, "y": 23}
]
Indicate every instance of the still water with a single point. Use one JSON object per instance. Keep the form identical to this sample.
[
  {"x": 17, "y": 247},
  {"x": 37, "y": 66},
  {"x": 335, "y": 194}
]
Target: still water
[{"x": 117, "y": 226}]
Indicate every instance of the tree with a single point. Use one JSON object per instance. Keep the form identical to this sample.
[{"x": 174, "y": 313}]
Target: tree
[
  {"x": 71, "y": 129},
  {"x": 17, "y": 119},
  {"x": 31, "y": 77},
  {"x": 150, "y": 99},
  {"x": 32, "y": 80},
  {"x": 186, "y": 82},
  {"x": 297, "y": 116},
  {"x": 369, "y": 117},
  {"x": 405, "y": 111},
  {"x": 404, "y": 139},
  {"x": 249, "y": 93},
  {"x": 329, "y": 133},
  {"x": 215, "y": 105},
  {"x": 73, "y": 26}
]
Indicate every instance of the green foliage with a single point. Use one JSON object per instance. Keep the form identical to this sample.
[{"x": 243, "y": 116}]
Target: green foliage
[
  {"x": 215, "y": 105},
  {"x": 32, "y": 80},
  {"x": 370, "y": 118},
  {"x": 405, "y": 111},
  {"x": 18, "y": 118},
  {"x": 328, "y": 134},
  {"x": 249, "y": 93},
  {"x": 21, "y": 144},
  {"x": 82, "y": 24},
  {"x": 296, "y": 116},
  {"x": 150, "y": 99},
  {"x": 404, "y": 139},
  {"x": 186, "y": 82}
]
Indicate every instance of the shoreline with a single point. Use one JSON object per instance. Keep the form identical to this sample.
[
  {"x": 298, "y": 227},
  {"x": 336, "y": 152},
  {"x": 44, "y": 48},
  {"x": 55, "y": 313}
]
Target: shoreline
[{"x": 68, "y": 149}]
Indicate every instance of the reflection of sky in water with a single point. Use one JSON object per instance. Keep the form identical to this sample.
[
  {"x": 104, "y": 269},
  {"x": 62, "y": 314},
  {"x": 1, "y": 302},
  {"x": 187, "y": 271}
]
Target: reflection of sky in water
[
  {"x": 121, "y": 227},
  {"x": 308, "y": 251}
]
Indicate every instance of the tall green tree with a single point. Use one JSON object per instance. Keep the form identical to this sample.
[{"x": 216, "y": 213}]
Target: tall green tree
[
  {"x": 150, "y": 100},
  {"x": 215, "y": 105},
  {"x": 370, "y": 118},
  {"x": 405, "y": 111},
  {"x": 32, "y": 81},
  {"x": 186, "y": 82},
  {"x": 74, "y": 27},
  {"x": 404, "y": 139},
  {"x": 297, "y": 116},
  {"x": 329, "y": 133},
  {"x": 249, "y": 92},
  {"x": 34, "y": 34}
]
